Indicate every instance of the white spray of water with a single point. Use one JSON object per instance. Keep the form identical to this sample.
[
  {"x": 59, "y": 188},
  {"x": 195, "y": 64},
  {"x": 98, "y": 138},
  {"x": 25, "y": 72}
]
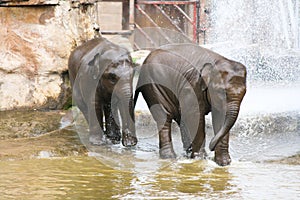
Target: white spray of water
[{"x": 262, "y": 34}]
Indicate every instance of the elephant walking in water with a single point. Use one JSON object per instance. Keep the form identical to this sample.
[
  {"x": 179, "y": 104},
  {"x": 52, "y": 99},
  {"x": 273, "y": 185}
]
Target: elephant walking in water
[
  {"x": 101, "y": 75},
  {"x": 184, "y": 82}
]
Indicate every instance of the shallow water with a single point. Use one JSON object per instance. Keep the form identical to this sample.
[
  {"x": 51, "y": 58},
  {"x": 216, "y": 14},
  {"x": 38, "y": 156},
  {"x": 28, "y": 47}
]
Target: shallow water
[
  {"x": 87, "y": 178},
  {"x": 55, "y": 166}
]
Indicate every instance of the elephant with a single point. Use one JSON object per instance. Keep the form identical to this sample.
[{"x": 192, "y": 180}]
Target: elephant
[
  {"x": 101, "y": 75},
  {"x": 185, "y": 82}
]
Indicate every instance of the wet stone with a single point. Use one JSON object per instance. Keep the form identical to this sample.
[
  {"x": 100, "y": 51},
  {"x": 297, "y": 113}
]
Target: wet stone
[
  {"x": 291, "y": 160},
  {"x": 36, "y": 135},
  {"x": 20, "y": 124}
]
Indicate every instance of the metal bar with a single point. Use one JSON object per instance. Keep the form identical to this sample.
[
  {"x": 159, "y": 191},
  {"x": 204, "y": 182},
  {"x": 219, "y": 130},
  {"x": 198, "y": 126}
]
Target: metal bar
[
  {"x": 116, "y": 32},
  {"x": 194, "y": 24},
  {"x": 166, "y": 16},
  {"x": 184, "y": 14},
  {"x": 136, "y": 46},
  {"x": 131, "y": 14},
  {"x": 194, "y": 21},
  {"x": 198, "y": 10},
  {"x": 146, "y": 35},
  {"x": 125, "y": 14},
  {"x": 149, "y": 18},
  {"x": 167, "y": 2},
  {"x": 145, "y": 14}
]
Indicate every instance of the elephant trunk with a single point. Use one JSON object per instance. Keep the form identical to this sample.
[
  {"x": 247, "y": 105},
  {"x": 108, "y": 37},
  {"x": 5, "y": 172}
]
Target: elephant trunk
[
  {"x": 230, "y": 118},
  {"x": 126, "y": 109},
  {"x": 127, "y": 113}
]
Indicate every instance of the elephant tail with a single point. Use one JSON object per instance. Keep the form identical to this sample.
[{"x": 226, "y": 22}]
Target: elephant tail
[{"x": 136, "y": 95}]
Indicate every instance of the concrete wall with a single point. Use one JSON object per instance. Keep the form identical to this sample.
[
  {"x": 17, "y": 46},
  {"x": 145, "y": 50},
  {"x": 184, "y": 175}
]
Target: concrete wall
[{"x": 110, "y": 15}]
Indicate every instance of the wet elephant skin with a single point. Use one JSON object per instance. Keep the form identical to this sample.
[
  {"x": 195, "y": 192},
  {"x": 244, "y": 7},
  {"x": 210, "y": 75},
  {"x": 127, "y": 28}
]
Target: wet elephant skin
[
  {"x": 101, "y": 75},
  {"x": 184, "y": 82}
]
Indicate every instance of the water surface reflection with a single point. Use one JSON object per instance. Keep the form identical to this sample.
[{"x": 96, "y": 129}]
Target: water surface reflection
[
  {"x": 55, "y": 166},
  {"x": 87, "y": 178}
]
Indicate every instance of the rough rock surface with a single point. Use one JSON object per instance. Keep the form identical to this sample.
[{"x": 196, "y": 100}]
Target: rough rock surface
[{"x": 35, "y": 43}]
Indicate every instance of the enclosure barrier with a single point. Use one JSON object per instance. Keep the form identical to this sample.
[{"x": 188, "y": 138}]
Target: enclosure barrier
[{"x": 193, "y": 21}]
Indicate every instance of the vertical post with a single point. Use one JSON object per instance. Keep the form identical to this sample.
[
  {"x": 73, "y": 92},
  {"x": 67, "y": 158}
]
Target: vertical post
[
  {"x": 198, "y": 10},
  {"x": 131, "y": 14},
  {"x": 194, "y": 22},
  {"x": 125, "y": 14}
]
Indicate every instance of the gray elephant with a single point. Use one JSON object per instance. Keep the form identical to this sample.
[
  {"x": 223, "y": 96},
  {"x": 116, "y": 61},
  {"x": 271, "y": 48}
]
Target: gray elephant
[
  {"x": 184, "y": 82},
  {"x": 101, "y": 75}
]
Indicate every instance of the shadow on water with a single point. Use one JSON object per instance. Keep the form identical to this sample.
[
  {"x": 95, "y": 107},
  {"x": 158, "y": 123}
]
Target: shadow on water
[{"x": 60, "y": 164}]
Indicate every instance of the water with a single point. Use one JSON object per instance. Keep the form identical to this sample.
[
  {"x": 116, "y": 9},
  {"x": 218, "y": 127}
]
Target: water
[
  {"x": 87, "y": 178},
  {"x": 56, "y": 165},
  {"x": 262, "y": 35},
  {"x": 60, "y": 178}
]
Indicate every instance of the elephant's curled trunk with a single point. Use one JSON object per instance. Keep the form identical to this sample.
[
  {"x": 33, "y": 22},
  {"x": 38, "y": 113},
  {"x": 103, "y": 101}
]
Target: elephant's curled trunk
[{"x": 230, "y": 118}]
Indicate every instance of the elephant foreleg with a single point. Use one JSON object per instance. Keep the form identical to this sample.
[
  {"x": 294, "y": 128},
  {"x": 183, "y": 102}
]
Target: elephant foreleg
[{"x": 222, "y": 156}]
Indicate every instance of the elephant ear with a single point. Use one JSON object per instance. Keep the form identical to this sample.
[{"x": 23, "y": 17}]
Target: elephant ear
[
  {"x": 214, "y": 84},
  {"x": 205, "y": 75},
  {"x": 94, "y": 68}
]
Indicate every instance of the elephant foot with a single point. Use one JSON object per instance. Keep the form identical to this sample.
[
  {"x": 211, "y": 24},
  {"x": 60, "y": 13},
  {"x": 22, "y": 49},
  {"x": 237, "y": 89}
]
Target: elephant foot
[
  {"x": 222, "y": 158},
  {"x": 113, "y": 136},
  {"x": 128, "y": 140},
  {"x": 167, "y": 152},
  {"x": 200, "y": 154},
  {"x": 96, "y": 139}
]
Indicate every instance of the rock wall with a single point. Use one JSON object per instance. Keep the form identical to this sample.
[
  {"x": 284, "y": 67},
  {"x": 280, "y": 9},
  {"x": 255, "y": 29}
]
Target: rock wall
[{"x": 36, "y": 38}]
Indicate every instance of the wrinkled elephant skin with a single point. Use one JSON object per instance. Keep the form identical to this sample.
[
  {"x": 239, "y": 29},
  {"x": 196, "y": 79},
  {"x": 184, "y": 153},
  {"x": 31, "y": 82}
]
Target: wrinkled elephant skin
[
  {"x": 184, "y": 82},
  {"x": 101, "y": 75}
]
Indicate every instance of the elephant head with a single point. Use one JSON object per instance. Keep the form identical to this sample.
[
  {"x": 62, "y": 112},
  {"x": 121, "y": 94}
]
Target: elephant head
[{"x": 225, "y": 82}]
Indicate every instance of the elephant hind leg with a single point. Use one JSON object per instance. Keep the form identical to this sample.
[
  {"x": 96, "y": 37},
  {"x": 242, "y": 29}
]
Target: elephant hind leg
[
  {"x": 163, "y": 121},
  {"x": 165, "y": 141}
]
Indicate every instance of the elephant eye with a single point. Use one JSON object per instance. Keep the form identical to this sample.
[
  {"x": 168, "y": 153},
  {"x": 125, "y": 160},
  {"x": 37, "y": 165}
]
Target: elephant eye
[
  {"x": 237, "y": 80},
  {"x": 112, "y": 77}
]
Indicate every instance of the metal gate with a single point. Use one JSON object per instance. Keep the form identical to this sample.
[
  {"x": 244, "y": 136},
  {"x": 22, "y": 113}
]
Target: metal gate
[{"x": 166, "y": 21}]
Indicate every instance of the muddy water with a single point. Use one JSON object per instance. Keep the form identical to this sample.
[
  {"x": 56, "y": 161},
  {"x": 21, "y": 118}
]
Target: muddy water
[{"x": 60, "y": 164}]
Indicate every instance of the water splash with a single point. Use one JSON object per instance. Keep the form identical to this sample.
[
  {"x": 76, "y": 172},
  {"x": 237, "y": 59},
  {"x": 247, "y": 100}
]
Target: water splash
[{"x": 262, "y": 34}]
